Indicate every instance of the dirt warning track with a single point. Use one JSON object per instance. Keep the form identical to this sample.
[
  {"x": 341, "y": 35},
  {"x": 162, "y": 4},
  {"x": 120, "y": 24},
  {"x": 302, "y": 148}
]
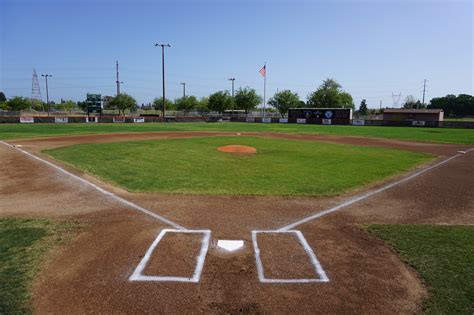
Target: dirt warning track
[{"x": 91, "y": 273}]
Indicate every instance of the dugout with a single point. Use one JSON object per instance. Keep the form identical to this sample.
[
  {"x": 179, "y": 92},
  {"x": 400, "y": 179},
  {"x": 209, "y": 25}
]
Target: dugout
[
  {"x": 413, "y": 117},
  {"x": 324, "y": 116}
]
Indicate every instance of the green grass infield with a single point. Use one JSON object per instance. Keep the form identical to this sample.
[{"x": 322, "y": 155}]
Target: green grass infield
[
  {"x": 446, "y": 135},
  {"x": 280, "y": 166},
  {"x": 444, "y": 258}
]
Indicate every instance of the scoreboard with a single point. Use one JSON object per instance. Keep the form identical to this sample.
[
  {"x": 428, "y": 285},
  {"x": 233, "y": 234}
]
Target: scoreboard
[
  {"x": 327, "y": 116},
  {"x": 94, "y": 104}
]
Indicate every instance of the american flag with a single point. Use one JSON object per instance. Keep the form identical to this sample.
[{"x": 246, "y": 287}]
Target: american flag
[{"x": 263, "y": 71}]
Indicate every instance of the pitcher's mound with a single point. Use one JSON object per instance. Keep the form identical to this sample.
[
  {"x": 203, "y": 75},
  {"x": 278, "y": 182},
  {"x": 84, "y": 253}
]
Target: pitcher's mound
[{"x": 237, "y": 149}]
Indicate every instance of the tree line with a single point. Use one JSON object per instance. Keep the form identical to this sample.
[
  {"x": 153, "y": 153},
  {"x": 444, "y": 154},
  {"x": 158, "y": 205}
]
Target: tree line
[{"x": 328, "y": 95}]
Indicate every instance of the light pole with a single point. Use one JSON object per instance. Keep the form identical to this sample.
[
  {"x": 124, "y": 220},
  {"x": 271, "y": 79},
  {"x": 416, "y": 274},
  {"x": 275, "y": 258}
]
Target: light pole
[
  {"x": 163, "y": 74},
  {"x": 184, "y": 89},
  {"x": 47, "y": 92},
  {"x": 233, "y": 101}
]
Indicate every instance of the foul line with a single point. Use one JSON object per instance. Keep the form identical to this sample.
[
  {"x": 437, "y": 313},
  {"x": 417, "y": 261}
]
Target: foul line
[
  {"x": 105, "y": 192},
  {"x": 369, "y": 194}
]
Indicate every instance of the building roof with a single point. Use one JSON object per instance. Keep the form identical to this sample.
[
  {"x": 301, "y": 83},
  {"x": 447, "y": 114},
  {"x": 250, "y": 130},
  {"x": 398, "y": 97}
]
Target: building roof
[{"x": 412, "y": 111}]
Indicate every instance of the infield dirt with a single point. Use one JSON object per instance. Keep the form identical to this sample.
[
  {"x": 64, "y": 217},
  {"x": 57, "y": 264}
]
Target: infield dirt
[{"x": 90, "y": 273}]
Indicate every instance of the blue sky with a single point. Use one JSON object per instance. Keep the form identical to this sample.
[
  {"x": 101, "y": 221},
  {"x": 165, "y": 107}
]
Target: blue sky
[{"x": 372, "y": 48}]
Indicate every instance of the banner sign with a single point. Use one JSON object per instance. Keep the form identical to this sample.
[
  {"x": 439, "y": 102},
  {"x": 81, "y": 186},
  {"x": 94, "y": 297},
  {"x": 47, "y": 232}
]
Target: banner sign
[
  {"x": 301, "y": 120},
  {"x": 418, "y": 123},
  {"x": 250, "y": 119},
  {"x": 138, "y": 119},
  {"x": 27, "y": 120},
  {"x": 266, "y": 120},
  {"x": 92, "y": 119},
  {"x": 118, "y": 119},
  {"x": 358, "y": 122},
  {"x": 326, "y": 121},
  {"x": 61, "y": 120},
  {"x": 283, "y": 120}
]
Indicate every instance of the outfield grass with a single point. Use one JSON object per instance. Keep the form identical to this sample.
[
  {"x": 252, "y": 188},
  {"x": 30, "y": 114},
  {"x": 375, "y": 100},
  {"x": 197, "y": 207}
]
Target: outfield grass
[
  {"x": 280, "y": 166},
  {"x": 443, "y": 256},
  {"x": 22, "y": 245},
  {"x": 447, "y": 135}
]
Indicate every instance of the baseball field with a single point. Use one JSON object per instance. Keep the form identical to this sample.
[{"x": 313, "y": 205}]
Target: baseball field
[{"x": 235, "y": 218}]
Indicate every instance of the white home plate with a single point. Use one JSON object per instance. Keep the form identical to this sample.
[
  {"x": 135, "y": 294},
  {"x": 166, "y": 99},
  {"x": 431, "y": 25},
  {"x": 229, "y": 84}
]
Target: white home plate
[{"x": 230, "y": 245}]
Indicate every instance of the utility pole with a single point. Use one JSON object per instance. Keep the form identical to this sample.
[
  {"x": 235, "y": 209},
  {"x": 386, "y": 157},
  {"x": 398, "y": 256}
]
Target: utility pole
[
  {"x": 47, "y": 92},
  {"x": 117, "y": 81},
  {"x": 163, "y": 75},
  {"x": 184, "y": 89},
  {"x": 233, "y": 101},
  {"x": 424, "y": 91}
]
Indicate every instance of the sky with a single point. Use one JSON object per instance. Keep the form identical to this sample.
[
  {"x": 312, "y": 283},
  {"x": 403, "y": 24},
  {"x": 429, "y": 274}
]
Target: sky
[{"x": 373, "y": 48}]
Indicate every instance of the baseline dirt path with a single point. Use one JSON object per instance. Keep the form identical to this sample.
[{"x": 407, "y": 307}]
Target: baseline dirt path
[{"x": 90, "y": 274}]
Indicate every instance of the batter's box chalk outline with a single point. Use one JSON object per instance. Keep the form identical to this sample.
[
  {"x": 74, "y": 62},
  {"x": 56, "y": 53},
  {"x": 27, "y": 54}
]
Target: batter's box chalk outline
[
  {"x": 138, "y": 275},
  {"x": 319, "y": 271}
]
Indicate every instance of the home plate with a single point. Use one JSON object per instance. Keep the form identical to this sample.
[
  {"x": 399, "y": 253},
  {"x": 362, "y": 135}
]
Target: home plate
[{"x": 230, "y": 246}]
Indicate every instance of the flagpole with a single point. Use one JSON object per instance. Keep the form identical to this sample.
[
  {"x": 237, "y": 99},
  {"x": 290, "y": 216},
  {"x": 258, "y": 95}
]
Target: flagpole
[{"x": 264, "y": 88}]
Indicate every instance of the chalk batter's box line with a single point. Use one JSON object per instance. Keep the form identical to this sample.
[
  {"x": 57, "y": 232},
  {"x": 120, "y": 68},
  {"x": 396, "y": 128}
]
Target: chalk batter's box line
[
  {"x": 319, "y": 271},
  {"x": 138, "y": 273}
]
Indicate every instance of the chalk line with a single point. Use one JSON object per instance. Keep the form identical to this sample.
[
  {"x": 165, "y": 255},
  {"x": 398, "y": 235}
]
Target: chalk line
[
  {"x": 138, "y": 273},
  {"x": 103, "y": 191},
  {"x": 312, "y": 257},
  {"x": 369, "y": 194}
]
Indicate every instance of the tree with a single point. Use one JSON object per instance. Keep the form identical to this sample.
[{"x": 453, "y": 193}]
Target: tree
[
  {"x": 186, "y": 103},
  {"x": 246, "y": 99},
  {"x": 219, "y": 101},
  {"x": 452, "y": 105},
  {"x": 66, "y": 106},
  {"x": 18, "y": 103},
  {"x": 37, "y": 105},
  {"x": 3, "y": 98},
  {"x": 106, "y": 102},
  {"x": 158, "y": 104},
  {"x": 363, "y": 107},
  {"x": 284, "y": 100},
  {"x": 123, "y": 102},
  {"x": 330, "y": 95},
  {"x": 202, "y": 105},
  {"x": 411, "y": 102}
]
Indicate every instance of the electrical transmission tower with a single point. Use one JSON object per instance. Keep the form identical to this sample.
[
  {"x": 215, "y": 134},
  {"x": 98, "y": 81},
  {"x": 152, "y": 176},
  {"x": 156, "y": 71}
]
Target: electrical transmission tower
[
  {"x": 424, "y": 91},
  {"x": 396, "y": 99},
  {"x": 35, "y": 87}
]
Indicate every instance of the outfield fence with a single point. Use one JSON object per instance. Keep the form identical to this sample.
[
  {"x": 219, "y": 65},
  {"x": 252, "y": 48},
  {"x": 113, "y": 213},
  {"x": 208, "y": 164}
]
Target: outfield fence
[{"x": 216, "y": 117}]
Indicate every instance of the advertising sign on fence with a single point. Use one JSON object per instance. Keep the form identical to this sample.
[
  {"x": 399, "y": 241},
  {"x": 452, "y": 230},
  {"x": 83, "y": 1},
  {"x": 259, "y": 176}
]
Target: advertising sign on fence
[
  {"x": 138, "y": 119},
  {"x": 358, "y": 122},
  {"x": 27, "y": 120},
  {"x": 301, "y": 120},
  {"x": 92, "y": 119},
  {"x": 250, "y": 119},
  {"x": 418, "y": 123},
  {"x": 266, "y": 120},
  {"x": 326, "y": 121},
  {"x": 61, "y": 120},
  {"x": 283, "y": 120},
  {"x": 119, "y": 119}
]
